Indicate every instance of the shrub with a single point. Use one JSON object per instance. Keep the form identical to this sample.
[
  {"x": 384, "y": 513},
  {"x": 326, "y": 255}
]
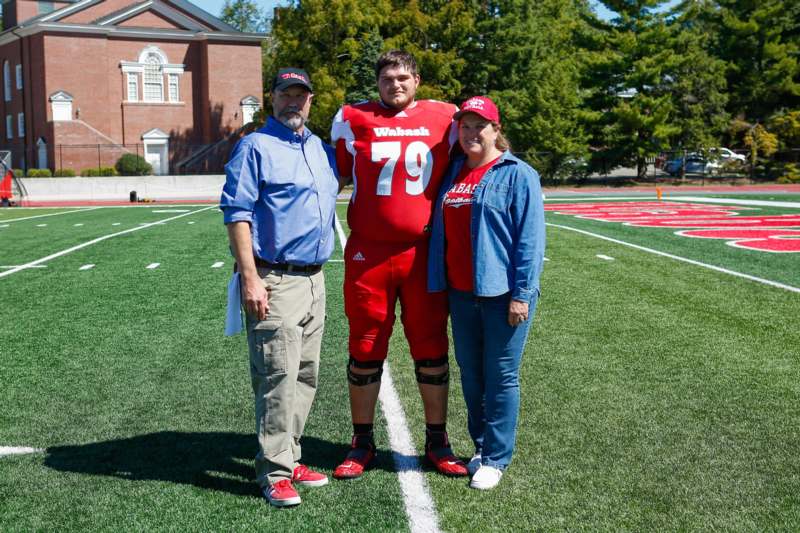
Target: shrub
[
  {"x": 39, "y": 173},
  {"x": 64, "y": 173},
  {"x": 18, "y": 172},
  {"x": 791, "y": 174},
  {"x": 133, "y": 165},
  {"x": 98, "y": 172}
]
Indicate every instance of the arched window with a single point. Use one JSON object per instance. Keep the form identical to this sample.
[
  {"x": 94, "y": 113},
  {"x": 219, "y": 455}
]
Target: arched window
[
  {"x": 7, "y": 80},
  {"x": 153, "y": 78}
]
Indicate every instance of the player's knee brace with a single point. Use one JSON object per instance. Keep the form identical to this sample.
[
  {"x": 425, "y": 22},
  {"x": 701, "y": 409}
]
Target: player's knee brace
[
  {"x": 442, "y": 378},
  {"x": 361, "y": 380}
]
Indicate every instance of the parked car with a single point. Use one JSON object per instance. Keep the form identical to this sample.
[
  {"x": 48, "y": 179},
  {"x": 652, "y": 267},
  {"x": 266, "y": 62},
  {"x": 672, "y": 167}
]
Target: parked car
[
  {"x": 726, "y": 154},
  {"x": 714, "y": 161},
  {"x": 695, "y": 164}
]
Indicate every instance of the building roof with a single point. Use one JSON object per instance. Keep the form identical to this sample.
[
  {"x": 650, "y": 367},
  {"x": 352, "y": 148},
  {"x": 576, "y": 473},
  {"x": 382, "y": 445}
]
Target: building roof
[{"x": 191, "y": 22}]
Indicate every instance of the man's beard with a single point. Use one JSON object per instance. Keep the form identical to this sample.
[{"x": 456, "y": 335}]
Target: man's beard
[{"x": 292, "y": 119}]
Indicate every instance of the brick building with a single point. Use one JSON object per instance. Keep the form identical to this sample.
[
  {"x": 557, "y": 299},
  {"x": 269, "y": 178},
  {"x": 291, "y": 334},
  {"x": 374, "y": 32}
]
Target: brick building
[{"x": 84, "y": 81}]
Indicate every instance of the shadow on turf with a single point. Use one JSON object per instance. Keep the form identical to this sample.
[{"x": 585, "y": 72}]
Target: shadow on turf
[{"x": 215, "y": 461}]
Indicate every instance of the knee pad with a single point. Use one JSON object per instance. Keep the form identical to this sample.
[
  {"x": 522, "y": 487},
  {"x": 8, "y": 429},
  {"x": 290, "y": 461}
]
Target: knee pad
[
  {"x": 432, "y": 379},
  {"x": 361, "y": 380}
]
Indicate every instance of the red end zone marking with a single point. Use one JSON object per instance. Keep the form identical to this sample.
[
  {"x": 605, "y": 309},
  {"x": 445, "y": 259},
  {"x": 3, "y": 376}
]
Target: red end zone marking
[
  {"x": 764, "y": 240},
  {"x": 749, "y": 232},
  {"x": 771, "y": 221}
]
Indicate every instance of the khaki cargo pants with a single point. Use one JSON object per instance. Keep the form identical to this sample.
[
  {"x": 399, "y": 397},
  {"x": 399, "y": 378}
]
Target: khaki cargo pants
[{"x": 284, "y": 366}]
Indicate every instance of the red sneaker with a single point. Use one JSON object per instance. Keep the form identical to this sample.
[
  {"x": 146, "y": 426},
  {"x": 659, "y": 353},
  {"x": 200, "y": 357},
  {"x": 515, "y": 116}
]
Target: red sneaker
[
  {"x": 441, "y": 456},
  {"x": 361, "y": 454},
  {"x": 303, "y": 475},
  {"x": 282, "y": 494}
]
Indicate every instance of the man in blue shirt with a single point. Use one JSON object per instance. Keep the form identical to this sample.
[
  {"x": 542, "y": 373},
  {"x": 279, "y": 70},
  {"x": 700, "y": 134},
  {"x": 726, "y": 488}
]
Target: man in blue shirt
[{"x": 278, "y": 203}]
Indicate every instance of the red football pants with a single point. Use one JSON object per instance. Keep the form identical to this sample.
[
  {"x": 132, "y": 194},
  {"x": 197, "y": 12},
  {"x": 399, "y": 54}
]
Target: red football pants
[{"x": 376, "y": 274}]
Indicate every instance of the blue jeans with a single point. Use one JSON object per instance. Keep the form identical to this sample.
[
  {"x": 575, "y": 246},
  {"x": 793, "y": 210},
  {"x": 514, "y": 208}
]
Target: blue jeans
[{"x": 489, "y": 352}]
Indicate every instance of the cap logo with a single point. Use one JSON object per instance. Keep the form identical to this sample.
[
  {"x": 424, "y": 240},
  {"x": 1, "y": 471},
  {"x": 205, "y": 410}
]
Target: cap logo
[
  {"x": 475, "y": 103},
  {"x": 293, "y": 75}
]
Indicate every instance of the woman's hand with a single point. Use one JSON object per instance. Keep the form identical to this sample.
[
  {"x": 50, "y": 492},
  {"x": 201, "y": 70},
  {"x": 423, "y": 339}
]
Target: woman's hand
[{"x": 517, "y": 313}]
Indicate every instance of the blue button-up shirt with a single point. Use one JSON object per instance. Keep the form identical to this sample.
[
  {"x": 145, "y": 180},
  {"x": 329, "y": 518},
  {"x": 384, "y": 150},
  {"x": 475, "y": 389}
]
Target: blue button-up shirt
[
  {"x": 507, "y": 231},
  {"x": 284, "y": 184}
]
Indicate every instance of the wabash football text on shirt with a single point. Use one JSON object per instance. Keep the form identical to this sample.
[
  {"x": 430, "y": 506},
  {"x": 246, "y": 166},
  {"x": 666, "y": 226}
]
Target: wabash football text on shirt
[
  {"x": 397, "y": 159},
  {"x": 457, "y": 205}
]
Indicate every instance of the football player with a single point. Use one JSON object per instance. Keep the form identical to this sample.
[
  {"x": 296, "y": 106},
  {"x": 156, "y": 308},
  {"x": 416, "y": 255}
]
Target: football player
[{"x": 395, "y": 151}]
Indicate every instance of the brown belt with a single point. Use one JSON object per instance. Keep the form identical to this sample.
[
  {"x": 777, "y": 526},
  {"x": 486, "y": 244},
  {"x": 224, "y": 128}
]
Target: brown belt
[{"x": 288, "y": 267}]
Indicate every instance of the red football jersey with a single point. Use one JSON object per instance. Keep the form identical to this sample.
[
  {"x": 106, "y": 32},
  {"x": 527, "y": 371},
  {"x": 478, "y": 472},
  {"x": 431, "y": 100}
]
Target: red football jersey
[{"x": 397, "y": 159}]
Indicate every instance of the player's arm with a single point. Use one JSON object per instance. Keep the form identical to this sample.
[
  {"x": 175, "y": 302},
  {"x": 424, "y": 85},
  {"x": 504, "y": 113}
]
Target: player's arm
[
  {"x": 344, "y": 164},
  {"x": 343, "y": 138}
]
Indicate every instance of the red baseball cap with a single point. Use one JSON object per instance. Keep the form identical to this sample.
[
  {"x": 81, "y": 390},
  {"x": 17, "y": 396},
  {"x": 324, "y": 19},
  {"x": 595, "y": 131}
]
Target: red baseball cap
[{"x": 480, "y": 105}]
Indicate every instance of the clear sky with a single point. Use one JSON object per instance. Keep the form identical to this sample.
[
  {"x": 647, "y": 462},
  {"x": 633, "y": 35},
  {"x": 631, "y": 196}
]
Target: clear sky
[{"x": 215, "y": 6}]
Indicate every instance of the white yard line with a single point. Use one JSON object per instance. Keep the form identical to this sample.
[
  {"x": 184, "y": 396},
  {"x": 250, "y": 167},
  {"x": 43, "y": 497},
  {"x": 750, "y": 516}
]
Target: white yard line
[
  {"x": 340, "y": 232},
  {"x": 18, "y": 450},
  {"x": 51, "y": 214},
  {"x": 417, "y": 498},
  {"x": 604, "y": 257},
  {"x": 17, "y": 266},
  {"x": 736, "y": 201},
  {"x": 419, "y": 505},
  {"x": 95, "y": 241},
  {"x": 679, "y": 258}
]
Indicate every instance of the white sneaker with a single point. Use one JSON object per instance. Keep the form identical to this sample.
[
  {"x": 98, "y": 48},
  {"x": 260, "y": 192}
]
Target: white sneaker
[
  {"x": 474, "y": 464},
  {"x": 487, "y": 477}
]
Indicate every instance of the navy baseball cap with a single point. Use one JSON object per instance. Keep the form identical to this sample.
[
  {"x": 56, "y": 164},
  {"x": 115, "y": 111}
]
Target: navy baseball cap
[{"x": 286, "y": 77}]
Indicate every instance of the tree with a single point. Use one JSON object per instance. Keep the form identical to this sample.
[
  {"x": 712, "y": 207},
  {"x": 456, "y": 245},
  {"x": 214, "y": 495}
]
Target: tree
[
  {"x": 760, "y": 42},
  {"x": 527, "y": 57},
  {"x": 244, "y": 15},
  {"x": 363, "y": 87},
  {"x": 632, "y": 82},
  {"x": 700, "y": 89}
]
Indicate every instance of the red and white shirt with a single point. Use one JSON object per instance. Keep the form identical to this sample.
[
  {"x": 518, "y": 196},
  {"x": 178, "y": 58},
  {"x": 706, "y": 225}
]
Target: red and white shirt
[
  {"x": 397, "y": 159},
  {"x": 457, "y": 205}
]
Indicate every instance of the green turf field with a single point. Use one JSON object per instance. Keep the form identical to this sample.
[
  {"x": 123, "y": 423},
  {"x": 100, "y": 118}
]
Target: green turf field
[{"x": 656, "y": 394}]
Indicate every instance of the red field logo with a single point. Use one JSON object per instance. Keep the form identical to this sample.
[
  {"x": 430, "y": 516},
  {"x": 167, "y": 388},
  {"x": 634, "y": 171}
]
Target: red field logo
[{"x": 767, "y": 233}]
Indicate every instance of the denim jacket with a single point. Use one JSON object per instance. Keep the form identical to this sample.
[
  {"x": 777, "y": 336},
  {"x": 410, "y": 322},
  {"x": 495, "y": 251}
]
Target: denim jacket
[{"x": 506, "y": 229}]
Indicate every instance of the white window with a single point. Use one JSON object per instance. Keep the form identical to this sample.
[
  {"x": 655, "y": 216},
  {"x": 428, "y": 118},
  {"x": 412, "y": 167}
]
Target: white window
[
  {"x": 9, "y": 127},
  {"x": 62, "y": 110},
  {"x": 250, "y": 105},
  {"x": 133, "y": 87},
  {"x": 153, "y": 79},
  {"x": 174, "y": 93},
  {"x": 19, "y": 76},
  {"x": 61, "y": 104},
  {"x": 7, "y": 81},
  {"x": 21, "y": 124}
]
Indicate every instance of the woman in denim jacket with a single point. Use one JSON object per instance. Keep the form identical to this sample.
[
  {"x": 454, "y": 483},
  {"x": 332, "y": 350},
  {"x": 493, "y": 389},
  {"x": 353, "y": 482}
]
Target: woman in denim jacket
[{"x": 487, "y": 250}]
